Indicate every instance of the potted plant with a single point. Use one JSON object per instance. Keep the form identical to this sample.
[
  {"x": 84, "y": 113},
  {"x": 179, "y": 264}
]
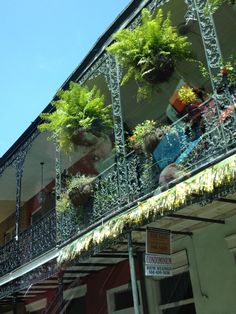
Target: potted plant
[
  {"x": 227, "y": 76},
  {"x": 80, "y": 190},
  {"x": 63, "y": 204},
  {"x": 79, "y": 117},
  {"x": 76, "y": 197},
  {"x": 151, "y": 51},
  {"x": 182, "y": 97},
  {"x": 187, "y": 95},
  {"x": 146, "y": 136}
]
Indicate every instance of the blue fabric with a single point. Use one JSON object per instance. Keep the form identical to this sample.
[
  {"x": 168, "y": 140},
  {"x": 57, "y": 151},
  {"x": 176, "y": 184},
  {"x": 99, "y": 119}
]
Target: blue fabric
[
  {"x": 170, "y": 147},
  {"x": 187, "y": 151}
]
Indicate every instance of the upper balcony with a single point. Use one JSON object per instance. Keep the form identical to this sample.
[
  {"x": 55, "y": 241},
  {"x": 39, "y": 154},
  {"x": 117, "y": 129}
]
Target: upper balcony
[{"x": 186, "y": 138}]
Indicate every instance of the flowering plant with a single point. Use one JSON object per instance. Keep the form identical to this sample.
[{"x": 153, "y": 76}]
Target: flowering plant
[
  {"x": 139, "y": 132},
  {"x": 228, "y": 70},
  {"x": 147, "y": 135},
  {"x": 187, "y": 95},
  {"x": 226, "y": 76}
]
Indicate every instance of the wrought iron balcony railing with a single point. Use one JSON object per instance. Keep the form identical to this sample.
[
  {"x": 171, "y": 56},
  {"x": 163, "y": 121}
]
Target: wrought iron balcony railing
[
  {"x": 204, "y": 134},
  {"x": 33, "y": 242}
]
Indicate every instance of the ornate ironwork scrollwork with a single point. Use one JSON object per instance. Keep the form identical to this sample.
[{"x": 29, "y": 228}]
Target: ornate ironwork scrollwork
[
  {"x": 34, "y": 241},
  {"x": 20, "y": 152},
  {"x": 100, "y": 66},
  {"x": 40, "y": 273},
  {"x": 209, "y": 36}
]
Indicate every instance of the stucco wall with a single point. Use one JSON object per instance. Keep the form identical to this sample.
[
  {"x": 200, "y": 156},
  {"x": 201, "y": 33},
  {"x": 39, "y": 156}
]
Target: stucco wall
[{"x": 212, "y": 269}]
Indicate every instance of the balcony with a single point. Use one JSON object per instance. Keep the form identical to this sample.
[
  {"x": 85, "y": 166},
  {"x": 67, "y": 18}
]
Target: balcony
[
  {"x": 116, "y": 191},
  {"x": 36, "y": 240},
  {"x": 119, "y": 188}
]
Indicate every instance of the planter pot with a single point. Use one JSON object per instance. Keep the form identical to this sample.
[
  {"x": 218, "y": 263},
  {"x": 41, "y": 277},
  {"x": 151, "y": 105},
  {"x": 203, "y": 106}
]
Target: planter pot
[
  {"x": 159, "y": 70},
  {"x": 170, "y": 173},
  {"x": 176, "y": 103},
  {"x": 81, "y": 196},
  {"x": 137, "y": 148},
  {"x": 151, "y": 141},
  {"x": 83, "y": 138}
]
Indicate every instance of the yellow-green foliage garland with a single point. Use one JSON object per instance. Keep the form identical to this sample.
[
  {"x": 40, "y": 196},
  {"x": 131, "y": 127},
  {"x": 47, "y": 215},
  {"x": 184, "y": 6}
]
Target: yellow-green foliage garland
[{"x": 206, "y": 181}]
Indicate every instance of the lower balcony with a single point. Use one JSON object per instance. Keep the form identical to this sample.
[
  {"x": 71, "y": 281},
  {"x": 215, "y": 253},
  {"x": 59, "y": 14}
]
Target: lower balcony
[{"x": 36, "y": 240}]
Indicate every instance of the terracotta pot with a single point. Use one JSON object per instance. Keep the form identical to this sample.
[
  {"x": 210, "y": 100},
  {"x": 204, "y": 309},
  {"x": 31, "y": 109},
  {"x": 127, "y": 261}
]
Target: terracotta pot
[{"x": 159, "y": 70}]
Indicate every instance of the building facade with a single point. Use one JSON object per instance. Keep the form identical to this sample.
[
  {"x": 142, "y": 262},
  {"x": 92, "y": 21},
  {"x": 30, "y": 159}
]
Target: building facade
[{"x": 52, "y": 261}]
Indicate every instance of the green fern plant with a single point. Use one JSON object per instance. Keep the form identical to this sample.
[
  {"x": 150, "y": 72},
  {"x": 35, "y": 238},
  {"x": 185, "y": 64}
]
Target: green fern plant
[
  {"x": 63, "y": 204},
  {"x": 78, "y": 191},
  {"x": 77, "y": 109},
  {"x": 153, "y": 45},
  {"x": 213, "y": 5}
]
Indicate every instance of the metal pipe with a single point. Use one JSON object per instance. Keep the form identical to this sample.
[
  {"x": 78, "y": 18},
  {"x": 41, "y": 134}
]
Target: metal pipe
[{"x": 133, "y": 275}]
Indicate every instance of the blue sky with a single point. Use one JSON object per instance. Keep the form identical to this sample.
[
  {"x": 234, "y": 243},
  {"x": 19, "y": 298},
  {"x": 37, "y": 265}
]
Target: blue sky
[{"x": 42, "y": 41}]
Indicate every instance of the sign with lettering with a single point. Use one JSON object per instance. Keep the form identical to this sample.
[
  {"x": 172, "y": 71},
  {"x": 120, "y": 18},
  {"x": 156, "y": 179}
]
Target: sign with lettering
[
  {"x": 158, "y": 253},
  {"x": 158, "y": 265},
  {"x": 158, "y": 241}
]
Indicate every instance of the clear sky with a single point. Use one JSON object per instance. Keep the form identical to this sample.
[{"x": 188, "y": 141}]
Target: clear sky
[{"x": 42, "y": 41}]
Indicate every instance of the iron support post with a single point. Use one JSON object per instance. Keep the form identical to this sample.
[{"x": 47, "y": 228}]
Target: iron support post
[{"x": 133, "y": 275}]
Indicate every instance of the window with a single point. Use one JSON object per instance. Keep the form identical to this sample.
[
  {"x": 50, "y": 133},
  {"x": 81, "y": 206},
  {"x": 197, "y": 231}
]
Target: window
[
  {"x": 176, "y": 295},
  {"x": 123, "y": 299},
  {"x": 9, "y": 235},
  {"x": 47, "y": 205},
  {"x": 74, "y": 300},
  {"x": 36, "y": 215},
  {"x": 183, "y": 309},
  {"x": 77, "y": 305},
  {"x": 120, "y": 300},
  {"x": 176, "y": 288}
]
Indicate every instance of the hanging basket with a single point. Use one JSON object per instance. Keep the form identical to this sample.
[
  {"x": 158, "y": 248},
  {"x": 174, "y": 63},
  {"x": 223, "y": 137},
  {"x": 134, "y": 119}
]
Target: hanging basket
[
  {"x": 159, "y": 70},
  {"x": 151, "y": 140},
  {"x": 83, "y": 137},
  {"x": 81, "y": 196}
]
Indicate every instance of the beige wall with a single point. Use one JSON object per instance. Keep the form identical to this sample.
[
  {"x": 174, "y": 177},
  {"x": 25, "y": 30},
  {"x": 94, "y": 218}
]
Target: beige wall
[{"x": 212, "y": 269}]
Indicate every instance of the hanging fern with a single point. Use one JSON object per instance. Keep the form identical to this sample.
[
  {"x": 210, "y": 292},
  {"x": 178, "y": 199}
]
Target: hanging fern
[
  {"x": 77, "y": 108},
  {"x": 213, "y": 5},
  {"x": 154, "y": 40}
]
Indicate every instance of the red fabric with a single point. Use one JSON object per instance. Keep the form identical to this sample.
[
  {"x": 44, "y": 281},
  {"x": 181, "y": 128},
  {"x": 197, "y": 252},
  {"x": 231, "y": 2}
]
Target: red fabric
[{"x": 100, "y": 282}]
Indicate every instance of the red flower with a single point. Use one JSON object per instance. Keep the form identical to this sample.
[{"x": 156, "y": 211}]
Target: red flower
[
  {"x": 224, "y": 71},
  {"x": 132, "y": 138}
]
